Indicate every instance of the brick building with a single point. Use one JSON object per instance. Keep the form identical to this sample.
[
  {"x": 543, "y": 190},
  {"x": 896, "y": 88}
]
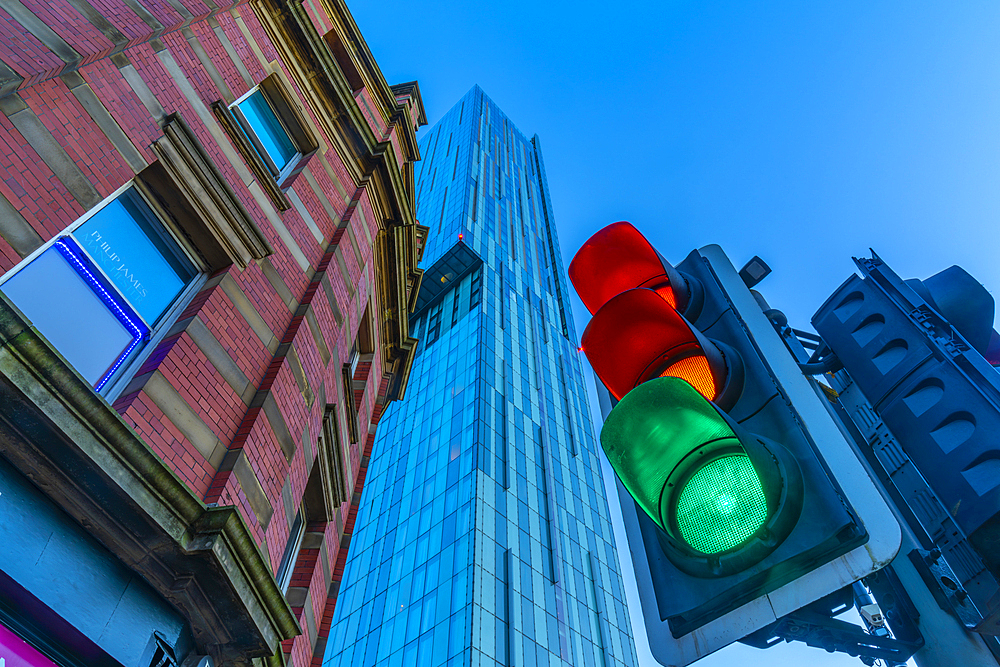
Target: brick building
[{"x": 209, "y": 253}]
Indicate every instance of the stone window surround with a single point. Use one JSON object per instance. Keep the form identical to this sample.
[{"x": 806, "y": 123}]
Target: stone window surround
[{"x": 282, "y": 103}]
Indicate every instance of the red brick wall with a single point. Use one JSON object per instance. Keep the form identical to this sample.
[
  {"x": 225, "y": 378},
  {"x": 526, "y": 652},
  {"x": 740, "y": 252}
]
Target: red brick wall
[{"x": 239, "y": 309}]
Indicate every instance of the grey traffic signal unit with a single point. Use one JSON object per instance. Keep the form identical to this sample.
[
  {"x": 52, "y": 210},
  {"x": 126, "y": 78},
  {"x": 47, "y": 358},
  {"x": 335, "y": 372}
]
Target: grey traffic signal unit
[
  {"x": 840, "y": 529},
  {"x": 930, "y": 410}
]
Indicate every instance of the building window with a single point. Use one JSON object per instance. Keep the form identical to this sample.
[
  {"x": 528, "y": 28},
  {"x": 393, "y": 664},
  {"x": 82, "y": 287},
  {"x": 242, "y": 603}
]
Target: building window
[
  {"x": 287, "y": 565},
  {"x": 351, "y": 407},
  {"x": 456, "y": 304},
  {"x": 434, "y": 325},
  {"x": 333, "y": 460},
  {"x": 105, "y": 287},
  {"x": 267, "y": 128},
  {"x": 474, "y": 289},
  {"x": 260, "y": 124}
]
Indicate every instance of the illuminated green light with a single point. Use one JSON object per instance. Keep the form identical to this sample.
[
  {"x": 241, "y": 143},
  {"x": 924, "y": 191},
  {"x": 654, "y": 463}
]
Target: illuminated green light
[
  {"x": 722, "y": 505},
  {"x": 652, "y": 430},
  {"x": 724, "y": 498}
]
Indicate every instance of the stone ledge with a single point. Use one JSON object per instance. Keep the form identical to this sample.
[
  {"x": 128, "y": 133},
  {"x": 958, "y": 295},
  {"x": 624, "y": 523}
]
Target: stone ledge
[{"x": 70, "y": 443}]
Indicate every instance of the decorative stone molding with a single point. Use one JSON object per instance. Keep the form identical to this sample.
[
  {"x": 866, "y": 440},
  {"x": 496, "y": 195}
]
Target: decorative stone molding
[
  {"x": 220, "y": 227},
  {"x": 327, "y": 70},
  {"x": 332, "y": 469}
]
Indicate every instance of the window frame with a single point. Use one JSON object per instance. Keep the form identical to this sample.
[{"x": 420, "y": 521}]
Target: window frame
[
  {"x": 163, "y": 224},
  {"x": 335, "y": 460},
  {"x": 350, "y": 405},
  {"x": 434, "y": 324},
  {"x": 251, "y": 134},
  {"x": 286, "y": 567},
  {"x": 475, "y": 289},
  {"x": 276, "y": 94}
]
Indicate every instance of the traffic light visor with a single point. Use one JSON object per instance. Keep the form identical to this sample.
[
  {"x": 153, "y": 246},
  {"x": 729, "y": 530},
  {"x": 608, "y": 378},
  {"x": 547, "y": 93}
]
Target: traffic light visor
[
  {"x": 619, "y": 258},
  {"x": 637, "y": 336}
]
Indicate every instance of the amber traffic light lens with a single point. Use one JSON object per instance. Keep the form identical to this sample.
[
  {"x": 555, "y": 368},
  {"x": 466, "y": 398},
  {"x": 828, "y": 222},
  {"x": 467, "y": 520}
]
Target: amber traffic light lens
[
  {"x": 667, "y": 292},
  {"x": 637, "y": 336},
  {"x": 696, "y": 372}
]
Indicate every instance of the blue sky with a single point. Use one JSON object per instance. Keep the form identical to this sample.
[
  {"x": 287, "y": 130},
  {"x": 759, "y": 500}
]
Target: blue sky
[{"x": 805, "y": 133}]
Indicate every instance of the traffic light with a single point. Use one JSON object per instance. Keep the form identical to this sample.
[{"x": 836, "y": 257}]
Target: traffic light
[
  {"x": 922, "y": 352},
  {"x": 722, "y": 497},
  {"x": 717, "y": 445}
]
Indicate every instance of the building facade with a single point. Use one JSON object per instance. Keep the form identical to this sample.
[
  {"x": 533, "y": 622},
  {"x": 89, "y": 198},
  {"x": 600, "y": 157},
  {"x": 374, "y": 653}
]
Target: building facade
[
  {"x": 208, "y": 255},
  {"x": 483, "y": 537}
]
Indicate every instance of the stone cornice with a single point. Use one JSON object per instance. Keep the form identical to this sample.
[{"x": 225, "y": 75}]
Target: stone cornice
[
  {"x": 409, "y": 139},
  {"x": 379, "y": 88},
  {"x": 224, "y": 221},
  {"x": 325, "y": 85},
  {"x": 370, "y": 160}
]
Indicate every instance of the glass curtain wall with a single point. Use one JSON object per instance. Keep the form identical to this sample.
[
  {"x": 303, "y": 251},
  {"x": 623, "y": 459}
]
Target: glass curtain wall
[{"x": 483, "y": 535}]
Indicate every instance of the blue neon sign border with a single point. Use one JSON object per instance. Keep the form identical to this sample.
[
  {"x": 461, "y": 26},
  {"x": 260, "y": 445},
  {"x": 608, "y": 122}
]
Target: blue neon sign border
[{"x": 77, "y": 258}]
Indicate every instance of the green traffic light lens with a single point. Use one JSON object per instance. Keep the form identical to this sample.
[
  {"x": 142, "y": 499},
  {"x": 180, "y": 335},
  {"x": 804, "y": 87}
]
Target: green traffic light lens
[
  {"x": 652, "y": 430},
  {"x": 724, "y": 498},
  {"x": 721, "y": 505}
]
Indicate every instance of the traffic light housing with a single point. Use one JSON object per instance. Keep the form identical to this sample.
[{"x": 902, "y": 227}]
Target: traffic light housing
[
  {"x": 921, "y": 352},
  {"x": 735, "y": 499}
]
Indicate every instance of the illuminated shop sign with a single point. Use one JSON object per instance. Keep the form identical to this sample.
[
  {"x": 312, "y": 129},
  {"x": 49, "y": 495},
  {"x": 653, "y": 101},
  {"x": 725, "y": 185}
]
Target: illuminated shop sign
[
  {"x": 98, "y": 291},
  {"x": 68, "y": 248}
]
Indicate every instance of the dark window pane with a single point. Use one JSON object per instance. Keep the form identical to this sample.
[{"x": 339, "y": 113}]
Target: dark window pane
[
  {"x": 123, "y": 243},
  {"x": 58, "y": 302},
  {"x": 268, "y": 129}
]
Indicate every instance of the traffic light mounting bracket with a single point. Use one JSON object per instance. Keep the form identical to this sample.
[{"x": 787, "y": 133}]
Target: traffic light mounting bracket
[{"x": 816, "y": 625}]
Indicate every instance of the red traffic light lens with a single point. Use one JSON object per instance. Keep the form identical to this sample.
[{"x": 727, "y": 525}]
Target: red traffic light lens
[
  {"x": 619, "y": 258},
  {"x": 637, "y": 336}
]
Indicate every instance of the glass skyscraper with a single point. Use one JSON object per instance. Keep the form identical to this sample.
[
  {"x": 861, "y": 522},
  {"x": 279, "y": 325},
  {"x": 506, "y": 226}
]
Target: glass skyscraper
[{"x": 483, "y": 537}]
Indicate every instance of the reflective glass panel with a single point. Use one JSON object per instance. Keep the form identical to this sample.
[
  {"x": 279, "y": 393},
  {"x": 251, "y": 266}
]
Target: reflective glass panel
[
  {"x": 268, "y": 129},
  {"x": 137, "y": 260}
]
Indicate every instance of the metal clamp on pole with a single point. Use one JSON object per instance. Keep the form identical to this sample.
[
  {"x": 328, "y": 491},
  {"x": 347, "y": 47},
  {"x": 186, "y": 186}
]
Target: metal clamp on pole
[
  {"x": 948, "y": 591},
  {"x": 816, "y": 626}
]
